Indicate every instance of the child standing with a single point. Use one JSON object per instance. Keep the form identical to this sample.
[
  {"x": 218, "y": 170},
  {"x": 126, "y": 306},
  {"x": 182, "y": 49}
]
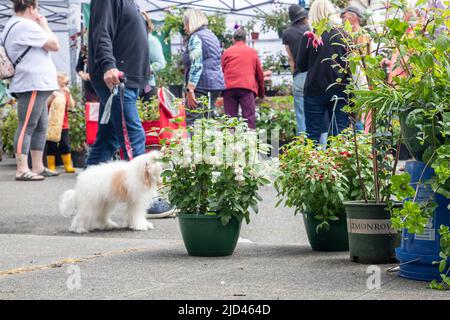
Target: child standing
[{"x": 63, "y": 146}]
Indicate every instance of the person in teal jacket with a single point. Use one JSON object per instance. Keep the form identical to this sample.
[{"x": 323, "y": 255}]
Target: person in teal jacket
[{"x": 157, "y": 60}]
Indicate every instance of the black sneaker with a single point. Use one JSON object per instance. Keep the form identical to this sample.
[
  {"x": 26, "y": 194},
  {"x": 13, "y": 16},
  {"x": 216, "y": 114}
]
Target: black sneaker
[{"x": 160, "y": 208}]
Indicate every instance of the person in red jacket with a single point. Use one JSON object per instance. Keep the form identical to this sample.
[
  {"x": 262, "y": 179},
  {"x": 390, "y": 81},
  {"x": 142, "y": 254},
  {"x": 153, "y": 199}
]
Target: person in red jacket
[{"x": 244, "y": 79}]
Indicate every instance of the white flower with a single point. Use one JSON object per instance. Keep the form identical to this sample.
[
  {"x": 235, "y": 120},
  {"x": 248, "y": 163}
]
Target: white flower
[
  {"x": 254, "y": 173},
  {"x": 198, "y": 158},
  {"x": 215, "y": 176},
  {"x": 187, "y": 154},
  {"x": 237, "y": 149},
  {"x": 186, "y": 164},
  {"x": 214, "y": 160}
]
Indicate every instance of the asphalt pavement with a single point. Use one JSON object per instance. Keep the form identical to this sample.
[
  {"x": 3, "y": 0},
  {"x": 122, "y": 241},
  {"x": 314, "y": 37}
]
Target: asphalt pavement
[{"x": 40, "y": 259}]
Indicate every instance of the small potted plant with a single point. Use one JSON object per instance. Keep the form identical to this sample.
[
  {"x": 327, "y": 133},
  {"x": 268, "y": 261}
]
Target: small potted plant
[
  {"x": 250, "y": 27},
  {"x": 316, "y": 182},
  {"x": 77, "y": 132},
  {"x": 213, "y": 181},
  {"x": 372, "y": 238}
]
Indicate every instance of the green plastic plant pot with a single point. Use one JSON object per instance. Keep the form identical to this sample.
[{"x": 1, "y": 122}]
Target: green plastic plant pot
[
  {"x": 206, "y": 236},
  {"x": 372, "y": 240},
  {"x": 333, "y": 239}
]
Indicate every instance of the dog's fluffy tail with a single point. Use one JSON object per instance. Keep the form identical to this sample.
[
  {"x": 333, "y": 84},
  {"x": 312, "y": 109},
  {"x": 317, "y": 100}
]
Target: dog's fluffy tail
[{"x": 67, "y": 204}]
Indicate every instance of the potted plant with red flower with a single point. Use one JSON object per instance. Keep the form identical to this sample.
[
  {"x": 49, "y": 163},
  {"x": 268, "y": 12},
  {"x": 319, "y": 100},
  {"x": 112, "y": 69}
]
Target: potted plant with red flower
[{"x": 316, "y": 181}]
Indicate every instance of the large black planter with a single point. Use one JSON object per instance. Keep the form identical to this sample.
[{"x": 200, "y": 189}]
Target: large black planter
[
  {"x": 79, "y": 159},
  {"x": 335, "y": 238},
  {"x": 372, "y": 240}
]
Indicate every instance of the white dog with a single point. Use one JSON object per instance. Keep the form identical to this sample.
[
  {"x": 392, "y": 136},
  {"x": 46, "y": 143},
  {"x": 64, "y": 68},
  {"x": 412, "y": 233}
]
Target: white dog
[{"x": 100, "y": 189}]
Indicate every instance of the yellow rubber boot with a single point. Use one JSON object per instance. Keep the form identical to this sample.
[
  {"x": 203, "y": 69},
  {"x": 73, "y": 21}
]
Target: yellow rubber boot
[
  {"x": 67, "y": 161},
  {"x": 51, "y": 163}
]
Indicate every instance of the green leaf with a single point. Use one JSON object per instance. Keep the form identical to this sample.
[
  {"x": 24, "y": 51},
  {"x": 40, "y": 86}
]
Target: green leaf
[
  {"x": 400, "y": 186},
  {"x": 254, "y": 207},
  {"x": 166, "y": 174},
  {"x": 442, "y": 266},
  {"x": 442, "y": 43}
]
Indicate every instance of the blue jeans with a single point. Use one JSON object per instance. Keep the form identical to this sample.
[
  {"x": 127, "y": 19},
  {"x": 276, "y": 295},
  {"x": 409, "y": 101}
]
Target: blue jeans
[
  {"x": 110, "y": 135},
  {"x": 316, "y": 110},
  {"x": 298, "y": 88}
]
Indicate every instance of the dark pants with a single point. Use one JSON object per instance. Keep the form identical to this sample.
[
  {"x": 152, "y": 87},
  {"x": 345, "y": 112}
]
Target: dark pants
[
  {"x": 110, "y": 136},
  {"x": 62, "y": 146},
  {"x": 232, "y": 98},
  {"x": 202, "y": 111},
  {"x": 316, "y": 109},
  {"x": 89, "y": 92}
]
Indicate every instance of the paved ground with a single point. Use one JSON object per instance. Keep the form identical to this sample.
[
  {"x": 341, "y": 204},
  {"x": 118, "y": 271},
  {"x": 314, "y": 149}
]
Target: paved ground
[{"x": 39, "y": 259}]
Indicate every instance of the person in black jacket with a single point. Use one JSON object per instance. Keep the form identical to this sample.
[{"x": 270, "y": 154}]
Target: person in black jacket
[
  {"x": 322, "y": 99},
  {"x": 117, "y": 43}
]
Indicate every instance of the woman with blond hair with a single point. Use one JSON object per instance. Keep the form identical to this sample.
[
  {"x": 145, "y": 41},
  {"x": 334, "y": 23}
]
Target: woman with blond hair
[
  {"x": 321, "y": 96},
  {"x": 202, "y": 63}
]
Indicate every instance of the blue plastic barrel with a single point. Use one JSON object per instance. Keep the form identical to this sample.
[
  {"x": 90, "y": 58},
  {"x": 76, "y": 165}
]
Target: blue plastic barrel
[{"x": 418, "y": 252}]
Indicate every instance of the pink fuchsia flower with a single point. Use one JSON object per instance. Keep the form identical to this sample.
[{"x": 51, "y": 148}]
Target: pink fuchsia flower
[{"x": 314, "y": 39}]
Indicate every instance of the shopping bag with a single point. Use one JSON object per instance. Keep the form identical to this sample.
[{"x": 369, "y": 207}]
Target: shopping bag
[{"x": 56, "y": 118}]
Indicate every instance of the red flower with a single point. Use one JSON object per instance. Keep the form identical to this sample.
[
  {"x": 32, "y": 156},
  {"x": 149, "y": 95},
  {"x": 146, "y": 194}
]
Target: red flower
[
  {"x": 314, "y": 39},
  {"x": 346, "y": 154},
  {"x": 409, "y": 30}
]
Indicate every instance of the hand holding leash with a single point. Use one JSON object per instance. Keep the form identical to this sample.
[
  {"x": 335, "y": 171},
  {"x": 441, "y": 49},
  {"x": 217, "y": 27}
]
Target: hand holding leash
[
  {"x": 113, "y": 75},
  {"x": 112, "y": 78}
]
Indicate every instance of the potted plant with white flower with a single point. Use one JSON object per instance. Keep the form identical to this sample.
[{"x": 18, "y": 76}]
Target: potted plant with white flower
[{"x": 213, "y": 181}]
